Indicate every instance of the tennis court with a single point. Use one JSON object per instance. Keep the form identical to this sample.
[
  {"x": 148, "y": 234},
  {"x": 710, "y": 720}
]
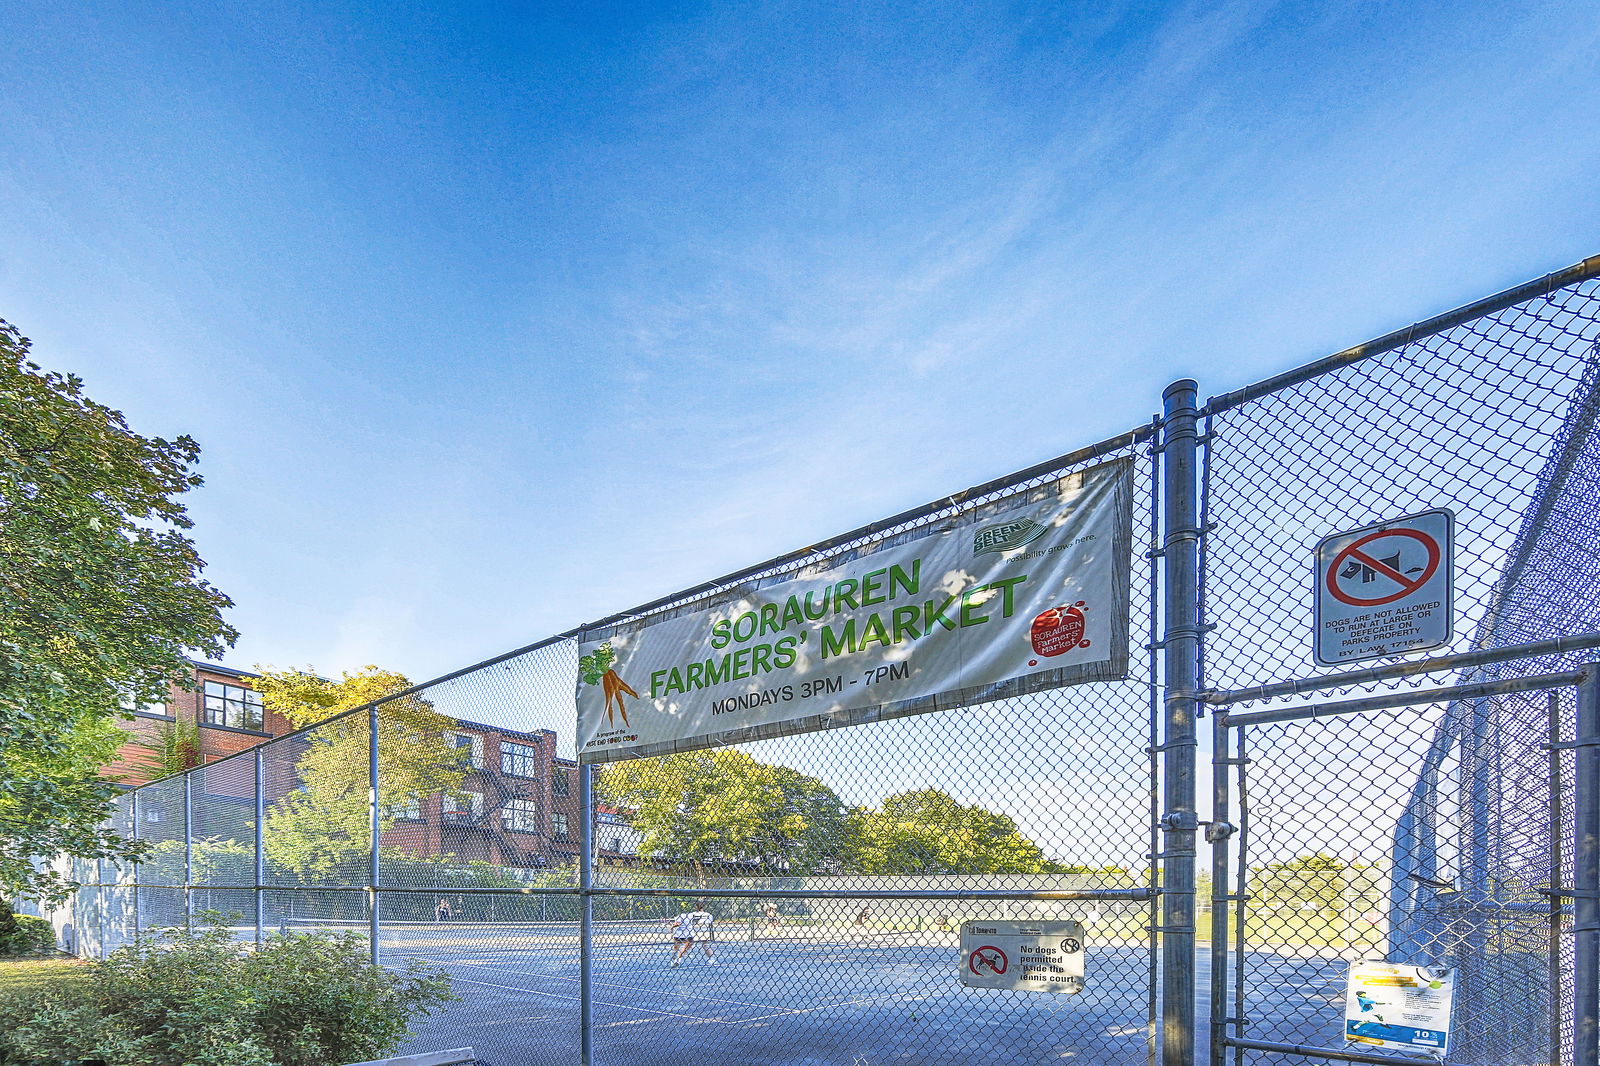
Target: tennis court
[{"x": 841, "y": 994}]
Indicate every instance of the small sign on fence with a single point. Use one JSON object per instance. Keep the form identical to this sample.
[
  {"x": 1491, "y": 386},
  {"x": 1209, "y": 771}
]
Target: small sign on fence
[
  {"x": 1385, "y": 589},
  {"x": 1026, "y": 956},
  {"x": 1398, "y": 1007}
]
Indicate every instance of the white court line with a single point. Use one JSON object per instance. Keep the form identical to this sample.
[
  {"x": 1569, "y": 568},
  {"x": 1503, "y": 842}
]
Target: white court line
[{"x": 574, "y": 999}]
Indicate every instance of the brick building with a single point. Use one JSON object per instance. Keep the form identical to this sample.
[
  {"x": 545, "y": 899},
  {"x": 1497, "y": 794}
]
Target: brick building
[
  {"x": 520, "y": 805},
  {"x": 222, "y": 707}
]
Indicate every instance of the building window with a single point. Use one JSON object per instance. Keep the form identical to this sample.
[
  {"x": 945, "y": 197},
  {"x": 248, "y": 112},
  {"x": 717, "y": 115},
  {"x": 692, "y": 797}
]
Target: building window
[
  {"x": 469, "y": 747},
  {"x": 463, "y": 808},
  {"x": 521, "y": 816},
  {"x": 232, "y": 705},
  {"x": 407, "y": 810},
  {"x": 558, "y": 826},
  {"x": 145, "y": 710},
  {"x": 558, "y": 783},
  {"x": 519, "y": 760}
]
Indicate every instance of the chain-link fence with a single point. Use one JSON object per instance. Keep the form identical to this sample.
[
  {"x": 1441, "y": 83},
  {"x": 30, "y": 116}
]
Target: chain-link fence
[{"x": 834, "y": 869}]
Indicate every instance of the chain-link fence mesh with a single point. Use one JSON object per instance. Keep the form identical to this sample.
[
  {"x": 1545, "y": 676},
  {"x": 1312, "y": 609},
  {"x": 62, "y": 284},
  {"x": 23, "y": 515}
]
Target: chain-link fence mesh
[
  {"x": 834, "y": 869},
  {"x": 1435, "y": 821}
]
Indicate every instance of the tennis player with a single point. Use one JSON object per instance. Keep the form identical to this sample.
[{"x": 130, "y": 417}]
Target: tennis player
[{"x": 689, "y": 927}]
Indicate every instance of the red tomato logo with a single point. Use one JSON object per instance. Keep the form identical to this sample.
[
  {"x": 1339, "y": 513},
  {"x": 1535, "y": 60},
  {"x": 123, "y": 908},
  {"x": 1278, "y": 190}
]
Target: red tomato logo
[{"x": 1059, "y": 630}]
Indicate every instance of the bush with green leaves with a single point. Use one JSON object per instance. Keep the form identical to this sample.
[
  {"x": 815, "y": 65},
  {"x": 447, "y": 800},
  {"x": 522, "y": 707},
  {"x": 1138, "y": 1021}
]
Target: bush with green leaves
[
  {"x": 23, "y": 934},
  {"x": 204, "y": 999}
]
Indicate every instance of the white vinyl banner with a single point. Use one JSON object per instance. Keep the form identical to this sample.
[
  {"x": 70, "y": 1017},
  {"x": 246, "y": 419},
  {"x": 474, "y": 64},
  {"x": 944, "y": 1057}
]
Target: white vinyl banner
[{"x": 1023, "y": 593}]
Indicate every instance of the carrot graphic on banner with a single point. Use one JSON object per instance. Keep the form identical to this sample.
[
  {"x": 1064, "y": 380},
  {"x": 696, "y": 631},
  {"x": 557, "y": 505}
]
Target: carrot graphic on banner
[{"x": 596, "y": 670}]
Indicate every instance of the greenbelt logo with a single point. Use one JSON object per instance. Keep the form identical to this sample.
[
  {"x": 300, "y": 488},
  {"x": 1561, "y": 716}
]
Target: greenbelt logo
[{"x": 1006, "y": 535}]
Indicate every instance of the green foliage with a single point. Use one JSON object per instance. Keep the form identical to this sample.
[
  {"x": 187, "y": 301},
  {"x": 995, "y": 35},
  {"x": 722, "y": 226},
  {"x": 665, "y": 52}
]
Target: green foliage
[
  {"x": 323, "y": 831},
  {"x": 200, "y": 1000},
  {"x": 100, "y": 596},
  {"x": 721, "y": 806},
  {"x": 23, "y": 934},
  {"x": 593, "y": 667},
  {"x": 927, "y": 831},
  {"x": 176, "y": 747}
]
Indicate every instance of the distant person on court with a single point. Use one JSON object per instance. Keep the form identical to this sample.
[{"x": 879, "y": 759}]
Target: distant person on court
[
  {"x": 689, "y": 927},
  {"x": 771, "y": 912},
  {"x": 442, "y": 910}
]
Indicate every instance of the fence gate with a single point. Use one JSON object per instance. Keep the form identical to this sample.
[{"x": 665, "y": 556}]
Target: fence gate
[{"x": 1400, "y": 565}]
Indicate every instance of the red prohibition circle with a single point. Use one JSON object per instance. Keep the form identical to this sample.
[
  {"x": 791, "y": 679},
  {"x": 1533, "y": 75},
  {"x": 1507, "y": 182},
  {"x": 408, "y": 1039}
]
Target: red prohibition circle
[
  {"x": 1407, "y": 586},
  {"x": 993, "y": 965}
]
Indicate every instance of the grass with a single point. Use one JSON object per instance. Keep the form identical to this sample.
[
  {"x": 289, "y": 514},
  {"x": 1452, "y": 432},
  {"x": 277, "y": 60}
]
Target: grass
[{"x": 21, "y": 975}]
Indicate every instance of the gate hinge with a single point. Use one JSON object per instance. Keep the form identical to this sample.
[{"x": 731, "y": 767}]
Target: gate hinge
[
  {"x": 1180, "y": 821},
  {"x": 1218, "y": 831}
]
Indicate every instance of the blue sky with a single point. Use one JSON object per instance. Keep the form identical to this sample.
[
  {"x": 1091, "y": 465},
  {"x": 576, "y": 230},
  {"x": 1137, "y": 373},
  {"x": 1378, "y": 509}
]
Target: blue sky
[{"x": 493, "y": 319}]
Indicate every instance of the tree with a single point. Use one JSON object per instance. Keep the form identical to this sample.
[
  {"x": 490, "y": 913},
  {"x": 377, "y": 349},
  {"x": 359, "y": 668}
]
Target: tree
[
  {"x": 926, "y": 831},
  {"x": 100, "y": 597},
  {"x": 323, "y": 830},
  {"x": 721, "y": 807}
]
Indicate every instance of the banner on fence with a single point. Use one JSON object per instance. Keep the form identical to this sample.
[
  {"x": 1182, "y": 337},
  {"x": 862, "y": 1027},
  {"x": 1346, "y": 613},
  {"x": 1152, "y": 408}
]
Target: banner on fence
[{"x": 1023, "y": 593}]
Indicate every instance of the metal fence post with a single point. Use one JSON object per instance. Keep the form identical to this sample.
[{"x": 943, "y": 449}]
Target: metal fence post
[
  {"x": 586, "y": 905},
  {"x": 261, "y": 856},
  {"x": 1586, "y": 874},
  {"x": 134, "y": 832},
  {"x": 188, "y": 852},
  {"x": 376, "y": 822},
  {"x": 1181, "y": 650}
]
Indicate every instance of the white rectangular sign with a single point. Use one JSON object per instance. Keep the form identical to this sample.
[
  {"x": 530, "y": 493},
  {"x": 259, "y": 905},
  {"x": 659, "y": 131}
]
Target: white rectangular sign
[
  {"x": 1024, "y": 593},
  {"x": 1399, "y": 1007},
  {"x": 1385, "y": 589},
  {"x": 1025, "y": 956}
]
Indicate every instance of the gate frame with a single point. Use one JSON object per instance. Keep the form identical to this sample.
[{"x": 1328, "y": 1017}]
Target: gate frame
[{"x": 1584, "y": 892}]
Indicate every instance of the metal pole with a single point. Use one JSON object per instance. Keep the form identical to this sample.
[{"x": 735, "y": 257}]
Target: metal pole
[
  {"x": 1586, "y": 874},
  {"x": 261, "y": 854},
  {"x": 375, "y": 814},
  {"x": 586, "y": 923},
  {"x": 188, "y": 853},
  {"x": 134, "y": 796},
  {"x": 1181, "y": 648},
  {"x": 1556, "y": 902}
]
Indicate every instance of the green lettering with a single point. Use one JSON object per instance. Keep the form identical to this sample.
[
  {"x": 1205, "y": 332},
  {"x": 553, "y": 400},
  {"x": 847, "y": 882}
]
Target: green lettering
[
  {"x": 816, "y": 614},
  {"x": 748, "y": 616},
  {"x": 769, "y": 619},
  {"x": 720, "y": 635},
  {"x": 897, "y": 577},
  {"x": 787, "y": 652},
  {"x": 905, "y": 623},
  {"x": 844, "y": 642},
  {"x": 967, "y": 607},
  {"x": 844, "y": 593},
  {"x": 760, "y": 659},
  {"x": 691, "y": 675},
  {"x": 869, "y": 587},
  {"x": 1005, "y": 588},
  {"x": 741, "y": 664},
  {"x": 718, "y": 671},
  {"x": 874, "y": 631},
  {"x": 792, "y": 615},
  {"x": 674, "y": 682},
  {"x": 655, "y": 683},
  {"x": 932, "y": 614}
]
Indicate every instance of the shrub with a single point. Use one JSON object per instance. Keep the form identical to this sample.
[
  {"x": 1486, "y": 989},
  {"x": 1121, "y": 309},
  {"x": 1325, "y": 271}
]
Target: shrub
[
  {"x": 201, "y": 999},
  {"x": 23, "y": 934}
]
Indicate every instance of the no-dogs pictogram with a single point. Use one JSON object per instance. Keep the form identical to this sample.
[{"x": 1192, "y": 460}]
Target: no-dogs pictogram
[
  {"x": 988, "y": 959},
  {"x": 1384, "y": 567}
]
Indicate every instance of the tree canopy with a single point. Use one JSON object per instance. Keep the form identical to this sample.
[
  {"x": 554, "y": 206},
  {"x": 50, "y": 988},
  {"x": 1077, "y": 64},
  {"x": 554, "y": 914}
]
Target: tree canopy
[
  {"x": 100, "y": 598},
  {"x": 722, "y": 808},
  {"x": 927, "y": 831},
  {"x": 323, "y": 829}
]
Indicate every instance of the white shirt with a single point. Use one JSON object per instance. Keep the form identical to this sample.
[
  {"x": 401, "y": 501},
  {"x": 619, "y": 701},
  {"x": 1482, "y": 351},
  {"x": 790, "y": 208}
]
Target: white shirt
[{"x": 692, "y": 924}]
